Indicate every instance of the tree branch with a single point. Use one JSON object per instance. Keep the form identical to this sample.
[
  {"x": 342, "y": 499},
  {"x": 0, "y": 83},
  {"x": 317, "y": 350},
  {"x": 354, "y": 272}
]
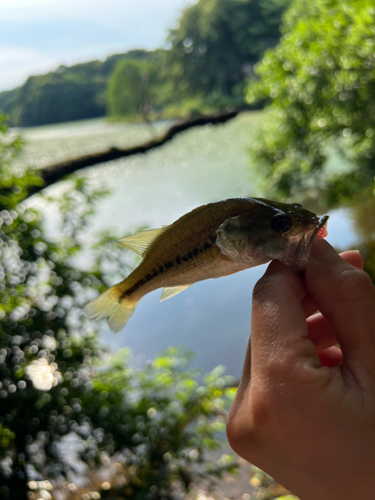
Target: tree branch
[{"x": 54, "y": 173}]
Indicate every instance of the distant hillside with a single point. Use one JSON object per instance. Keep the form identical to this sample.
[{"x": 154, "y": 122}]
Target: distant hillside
[
  {"x": 69, "y": 93},
  {"x": 207, "y": 67}
]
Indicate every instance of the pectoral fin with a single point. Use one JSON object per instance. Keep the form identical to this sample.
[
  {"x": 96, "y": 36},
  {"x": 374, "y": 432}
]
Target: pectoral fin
[
  {"x": 169, "y": 292},
  {"x": 140, "y": 242}
]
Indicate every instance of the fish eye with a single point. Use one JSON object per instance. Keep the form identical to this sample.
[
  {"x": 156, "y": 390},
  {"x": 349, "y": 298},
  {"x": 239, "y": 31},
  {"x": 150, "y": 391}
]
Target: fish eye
[{"x": 281, "y": 223}]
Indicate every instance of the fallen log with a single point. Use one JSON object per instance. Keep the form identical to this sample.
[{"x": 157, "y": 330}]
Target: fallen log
[{"x": 53, "y": 173}]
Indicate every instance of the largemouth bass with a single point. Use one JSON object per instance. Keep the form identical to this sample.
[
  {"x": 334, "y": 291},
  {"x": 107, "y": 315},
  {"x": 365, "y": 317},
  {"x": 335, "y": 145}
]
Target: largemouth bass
[{"x": 213, "y": 240}]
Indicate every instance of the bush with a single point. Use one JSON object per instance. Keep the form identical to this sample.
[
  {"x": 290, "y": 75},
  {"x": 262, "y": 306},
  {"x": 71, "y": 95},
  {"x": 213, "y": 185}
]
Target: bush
[
  {"x": 320, "y": 83},
  {"x": 57, "y": 384}
]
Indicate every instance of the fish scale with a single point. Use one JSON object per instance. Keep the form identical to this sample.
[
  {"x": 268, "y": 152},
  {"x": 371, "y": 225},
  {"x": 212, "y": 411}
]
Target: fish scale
[{"x": 211, "y": 241}]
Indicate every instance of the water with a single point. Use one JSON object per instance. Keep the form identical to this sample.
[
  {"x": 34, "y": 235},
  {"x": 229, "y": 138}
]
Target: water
[{"x": 199, "y": 166}]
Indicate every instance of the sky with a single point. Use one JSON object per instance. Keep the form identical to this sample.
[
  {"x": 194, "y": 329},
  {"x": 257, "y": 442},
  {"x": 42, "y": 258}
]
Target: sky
[{"x": 37, "y": 36}]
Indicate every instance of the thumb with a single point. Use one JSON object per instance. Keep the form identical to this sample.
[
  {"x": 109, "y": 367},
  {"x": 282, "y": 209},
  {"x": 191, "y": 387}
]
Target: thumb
[{"x": 279, "y": 333}]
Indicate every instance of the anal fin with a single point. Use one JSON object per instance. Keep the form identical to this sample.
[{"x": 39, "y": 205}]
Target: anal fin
[{"x": 169, "y": 292}]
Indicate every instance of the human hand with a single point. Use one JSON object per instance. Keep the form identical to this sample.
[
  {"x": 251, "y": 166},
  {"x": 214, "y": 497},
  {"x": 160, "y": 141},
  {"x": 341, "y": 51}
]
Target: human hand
[{"x": 308, "y": 416}]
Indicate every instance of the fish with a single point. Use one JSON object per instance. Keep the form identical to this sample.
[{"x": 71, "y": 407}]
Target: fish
[{"x": 211, "y": 241}]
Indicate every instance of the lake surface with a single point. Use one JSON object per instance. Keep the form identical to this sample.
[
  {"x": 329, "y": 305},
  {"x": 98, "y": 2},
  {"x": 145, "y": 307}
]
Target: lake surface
[{"x": 199, "y": 166}]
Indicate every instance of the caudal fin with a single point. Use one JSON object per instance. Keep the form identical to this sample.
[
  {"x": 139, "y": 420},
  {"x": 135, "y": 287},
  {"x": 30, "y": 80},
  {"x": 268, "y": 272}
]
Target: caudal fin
[{"x": 111, "y": 306}]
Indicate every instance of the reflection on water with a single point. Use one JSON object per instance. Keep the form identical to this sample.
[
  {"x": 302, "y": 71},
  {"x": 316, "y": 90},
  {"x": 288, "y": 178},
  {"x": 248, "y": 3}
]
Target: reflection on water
[
  {"x": 54, "y": 143},
  {"x": 199, "y": 166}
]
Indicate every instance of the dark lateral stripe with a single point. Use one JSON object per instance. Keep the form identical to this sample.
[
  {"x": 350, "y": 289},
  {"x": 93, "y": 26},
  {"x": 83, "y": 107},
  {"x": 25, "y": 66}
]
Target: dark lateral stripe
[
  {"x": 193, "y": 253},
  {"x": 133, "y": 288},
  {"x": 167, "y": 265}
]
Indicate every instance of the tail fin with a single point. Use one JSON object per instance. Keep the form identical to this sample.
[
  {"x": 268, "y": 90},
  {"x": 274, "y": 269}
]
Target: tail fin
[{"x": 110, "y": 305}]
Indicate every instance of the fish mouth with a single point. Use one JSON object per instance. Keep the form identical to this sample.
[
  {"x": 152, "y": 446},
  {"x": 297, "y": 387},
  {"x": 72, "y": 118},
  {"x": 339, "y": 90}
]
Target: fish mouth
[
  {"x": 299, "y": 246},
  {"x": 321, "y": 227}
]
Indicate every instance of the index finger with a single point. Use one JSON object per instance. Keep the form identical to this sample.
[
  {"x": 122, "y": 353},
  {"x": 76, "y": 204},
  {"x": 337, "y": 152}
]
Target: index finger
[{"x": 346, "y": 298}]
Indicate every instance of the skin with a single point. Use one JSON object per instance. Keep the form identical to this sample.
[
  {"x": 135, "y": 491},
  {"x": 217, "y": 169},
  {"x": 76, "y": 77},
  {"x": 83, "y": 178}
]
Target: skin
[{"x": 308, "y": 416}]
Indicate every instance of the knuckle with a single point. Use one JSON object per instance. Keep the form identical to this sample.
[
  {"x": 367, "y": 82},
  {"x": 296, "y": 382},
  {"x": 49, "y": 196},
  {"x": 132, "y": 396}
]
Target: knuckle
[
  {"x": 235, "y": 432},
  {"x": 254, "y": 423},
  {"x": 247, "y": 423},
  {"x": 354, "y": 284},
  {"x": 240, "y": 433}
]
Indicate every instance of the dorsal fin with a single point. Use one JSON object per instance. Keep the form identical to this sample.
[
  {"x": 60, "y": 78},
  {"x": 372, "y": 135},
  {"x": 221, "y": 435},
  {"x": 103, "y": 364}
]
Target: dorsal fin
[
  {"x": 170, "y": 291},
  {"x": 140, "y": 242}
]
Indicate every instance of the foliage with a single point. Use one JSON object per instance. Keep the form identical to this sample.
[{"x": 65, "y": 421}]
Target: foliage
[
  {"x": 14, "y": 183},
  {"x": 43, "y": 342},
  {"x": 55, "y": 384},
  {"x": 217, "y": 42},
  {"x": 158, "y": 422},
  {"x": 133, "y": 89},
  {"x": 320, "y": 81},
  {"x": 69, "y": 93},
  {"x": 209, "y": 58}
]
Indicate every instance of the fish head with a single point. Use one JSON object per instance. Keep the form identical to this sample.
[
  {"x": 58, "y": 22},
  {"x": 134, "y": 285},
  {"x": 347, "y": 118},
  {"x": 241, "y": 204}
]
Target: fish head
[{"x": 271, "y": 230}]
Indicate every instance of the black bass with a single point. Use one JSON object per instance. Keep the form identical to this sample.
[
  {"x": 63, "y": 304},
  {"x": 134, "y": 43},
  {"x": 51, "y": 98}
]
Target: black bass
[{"x": 214, "y": 240}]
